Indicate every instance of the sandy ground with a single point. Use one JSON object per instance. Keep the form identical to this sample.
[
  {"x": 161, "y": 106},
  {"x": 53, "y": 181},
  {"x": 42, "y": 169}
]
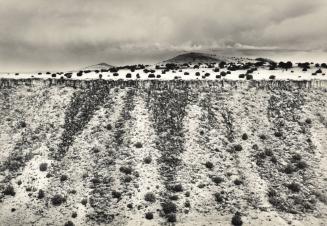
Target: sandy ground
[{"x": 109, "y": 146}]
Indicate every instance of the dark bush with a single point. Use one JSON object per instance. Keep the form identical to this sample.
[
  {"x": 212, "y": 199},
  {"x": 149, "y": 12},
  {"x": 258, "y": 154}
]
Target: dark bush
[
  {"x": 217, "y": 179},
  {"x": 115, "y": 74},
  {"x": 249, "y": 77},
  {"x": 308, "y": 121},
  {"x": 174, "y": 197},
  {"x": 149, "y": 216},
  {"x": 289, "y": 169},
  {"x": 126, "y": 169},
  {"x": 244, "y": 136},
  {"x": 74, "y": 215},
  {"x": 9, "y": 190},
  {"x": 138, "y": 145},
  {"x": 84, "y": 202},
  {"x": 128, "y": 75},
  {"x": 241, "y": 76},
  {"x": 43, "y": 167},
  {"x": 63, "y": 178},
  {"x": 176, "y": 188},
  {"x": 237, "y": 220},
  {"x": 302, "y": 165},
  {"x": 219, "y": 197},
  {"x": 238, "y": 182},
  {"x": 147, "y": 160},
  {"x": 116, "y": 194},
  {"x": 171, "y": 217},
  {"x": 296, "y": 157},
  {"x": 209, "y": 165},
  {"x": 150, "y": 197},
  {"x": 197, "y": 73},
  {"x": 69, "y": 223},
  {"x": 238, "y": 147},
  {"x": 40, "y": 194},
  {"x": 272, "y": 77},
  {"x": 278, "y": 134},
  {"x": 57, "y": 200},
  {"x": 262, "y": 137},
  {"x": 294, "y": 187},
  {"x": 169, "y": 207}
]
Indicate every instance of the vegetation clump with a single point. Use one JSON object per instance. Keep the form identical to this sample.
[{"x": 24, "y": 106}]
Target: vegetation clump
[
  {"x": 43, "y": 166},
  {"x": 57, "y": 200},
  {"x": 150, "y": 197}
]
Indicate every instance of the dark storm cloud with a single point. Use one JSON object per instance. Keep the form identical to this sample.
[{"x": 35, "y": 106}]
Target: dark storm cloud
[{"x": 71, "y": 33}]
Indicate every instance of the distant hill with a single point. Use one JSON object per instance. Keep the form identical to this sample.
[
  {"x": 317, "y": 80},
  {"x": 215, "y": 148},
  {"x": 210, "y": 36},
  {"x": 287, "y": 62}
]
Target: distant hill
[
  {"x": 192, "y": 58},
  {"x": 99, "y": 66}
]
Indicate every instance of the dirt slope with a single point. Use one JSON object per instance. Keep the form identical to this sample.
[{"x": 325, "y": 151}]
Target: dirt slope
[{"x": 186, "y": 152}]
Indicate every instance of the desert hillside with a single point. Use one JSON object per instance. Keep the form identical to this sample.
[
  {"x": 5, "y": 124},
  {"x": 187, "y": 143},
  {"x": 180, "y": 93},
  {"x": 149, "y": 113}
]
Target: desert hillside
[{"x": 137, "y": 152}]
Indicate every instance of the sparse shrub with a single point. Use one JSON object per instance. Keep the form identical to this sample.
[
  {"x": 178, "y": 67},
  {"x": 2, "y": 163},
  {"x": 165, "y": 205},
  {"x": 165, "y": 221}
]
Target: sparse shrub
[
  {"x": 249, "y": 77},
  {"x": 57, "y": 200},
  {"x": 289, "y": 169},
  {"x": 295, "y": 187},
  {"x": 187, "y": 194},
  {"x": 296, "y": 157},
  {"x": 238, "y": 182},
  {"x": 128, "y": 179},
  {"x": 302, "y": 165},
  {"x": 209, "y": 165},
  {"x": 219, "y": 197},
  {"x": 176, "y": 188},
  {"x": 138, "y": 145},
  {"x": 217, "y": 180},
  {"x": 63, "y": 178},
  {"x": 149, "y": 216},
  {"x": 278, "y": 134},
  {"x": 244, "y": 136},
  {"x": 262, "y": 137},
  {"x": 116, "y": 194},
  {"x": 84, "y": 202},
  {"x": 308, "y": 121},
  {"x": 187, "y": 204},
  {"x": 268, "y": 152},
  {"x": 169, "y": 207},
  {"x": 69, "y": 223},
  {"x": 21, "y": 124},
  {"x": 126, "y": 169},
  {"x": 40, "y": 194},
  {"x": 273, "y": 159},
  {"x": 171, "y": 217},
  {"x": 95, "y": 180},
  {"x": 9, "y": 190},
  {"x": 150, "y": 197},
  {"x": 238, "y": 147},
  {"x": 147, "y": 160},
  {"x": 43, "y": 167},
  {"x": 237, "y": 220}
]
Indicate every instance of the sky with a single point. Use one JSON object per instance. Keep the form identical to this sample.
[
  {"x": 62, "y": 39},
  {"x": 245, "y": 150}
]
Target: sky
[{"x": 70, "y": 34}]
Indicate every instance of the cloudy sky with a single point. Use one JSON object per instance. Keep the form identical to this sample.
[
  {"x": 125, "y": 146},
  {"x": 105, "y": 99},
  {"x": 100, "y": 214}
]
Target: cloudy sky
[{"x": 68, "y": 34}]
